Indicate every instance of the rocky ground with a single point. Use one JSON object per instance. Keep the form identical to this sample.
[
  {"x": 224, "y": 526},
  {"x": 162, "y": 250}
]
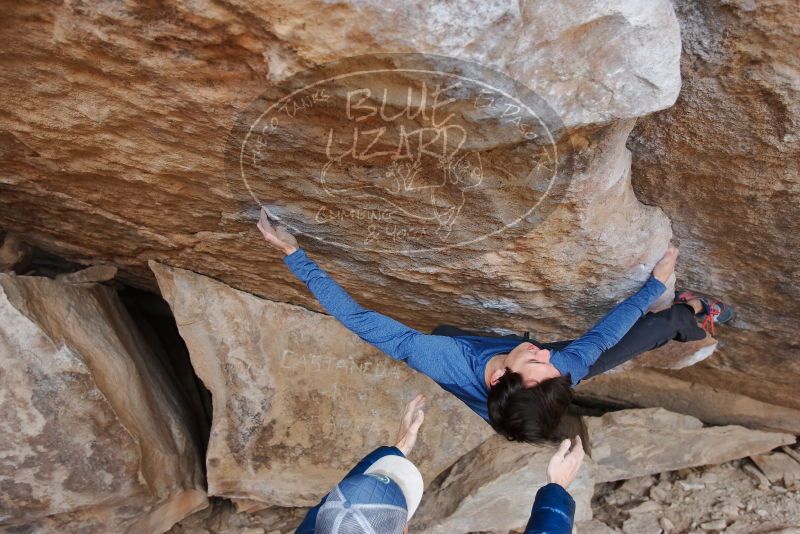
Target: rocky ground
[{"x": 722, "y": 498}]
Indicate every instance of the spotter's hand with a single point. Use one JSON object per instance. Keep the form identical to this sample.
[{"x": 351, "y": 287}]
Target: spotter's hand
[
  {"x": 410, "y": 423},
  {"x": 565, "y": 463}
]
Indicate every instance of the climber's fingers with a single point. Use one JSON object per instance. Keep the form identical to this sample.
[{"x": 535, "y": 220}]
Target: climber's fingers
[{"x": 270, "y": 232}]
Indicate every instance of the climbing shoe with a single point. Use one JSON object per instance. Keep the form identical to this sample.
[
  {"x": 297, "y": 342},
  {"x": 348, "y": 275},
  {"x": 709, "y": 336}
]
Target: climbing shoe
[{"x": 714, "y": 311}]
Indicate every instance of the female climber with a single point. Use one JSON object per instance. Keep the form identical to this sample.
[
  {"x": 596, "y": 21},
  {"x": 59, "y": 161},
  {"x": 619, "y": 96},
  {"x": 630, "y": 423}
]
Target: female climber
[{"x": 518, "y": 385}]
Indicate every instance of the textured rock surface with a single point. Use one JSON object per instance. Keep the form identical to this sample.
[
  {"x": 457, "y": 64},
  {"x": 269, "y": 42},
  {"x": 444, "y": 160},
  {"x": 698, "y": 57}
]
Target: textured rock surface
[
  {"x": 14, "y": 254},
  {"x": 95, "y": 273},
  {"x": 298, "y": 399},
  {"x": 222, "y": 518},
  {"x": 649, "y": 389},
  {"x": 778, "y": 467},
  {"x": 594, "y": 527},
  {"x": 684, "y": 500},
  {"x": 724, "y": 164},
  {"x": 633, "y": 443},
  {"x": 122, "y": 140},
  {"x": 93, "y": 439},
  {"x": 592, "y": 61},
  {"x": 493, "y": 487},
  {"x": 114, "y": 118}
]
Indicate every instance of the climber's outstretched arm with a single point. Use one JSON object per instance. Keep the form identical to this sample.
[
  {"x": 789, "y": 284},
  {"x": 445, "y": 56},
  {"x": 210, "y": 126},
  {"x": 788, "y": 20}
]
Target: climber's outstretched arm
[
  {"x": 422, "y": 352},
  {"x": 577, "y": 357},
  {"x": 391, "y": 336}
]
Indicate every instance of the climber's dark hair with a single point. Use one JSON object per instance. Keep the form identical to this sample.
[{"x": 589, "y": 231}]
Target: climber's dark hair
[{"x": 528, "y": 414}]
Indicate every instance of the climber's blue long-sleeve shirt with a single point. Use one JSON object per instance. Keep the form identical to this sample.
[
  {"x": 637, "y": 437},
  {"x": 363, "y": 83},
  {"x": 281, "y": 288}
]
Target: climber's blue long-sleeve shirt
[{"x": 458, "y": 364}]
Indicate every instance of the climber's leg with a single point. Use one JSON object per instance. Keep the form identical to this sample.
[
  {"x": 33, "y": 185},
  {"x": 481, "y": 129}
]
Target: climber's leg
[{"x": 650, "y": 332}]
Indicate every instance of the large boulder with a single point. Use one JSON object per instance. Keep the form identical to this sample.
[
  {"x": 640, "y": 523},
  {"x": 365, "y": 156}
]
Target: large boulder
[
  {"x": 297, "y": 398},
  {"x": 650, "y": 388},
  {"x": 116, "y": 117},
  {"x": 633, "y": 443},
  {"x": 116, "y": 121},
  {"x": 724, "y": 164},
  {"x": 594, "y": 62},
  {"x": 493, "y": 488},
  {"x": 94, "y": 437}
]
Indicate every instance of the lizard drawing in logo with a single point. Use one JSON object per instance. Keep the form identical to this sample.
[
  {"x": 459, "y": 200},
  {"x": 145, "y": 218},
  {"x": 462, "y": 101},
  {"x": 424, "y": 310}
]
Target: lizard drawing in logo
[{"x": 423, "y": 177}]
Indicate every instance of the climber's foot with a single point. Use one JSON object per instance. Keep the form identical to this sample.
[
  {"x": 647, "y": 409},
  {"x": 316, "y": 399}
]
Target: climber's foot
[{"x": 713, "y": 310}]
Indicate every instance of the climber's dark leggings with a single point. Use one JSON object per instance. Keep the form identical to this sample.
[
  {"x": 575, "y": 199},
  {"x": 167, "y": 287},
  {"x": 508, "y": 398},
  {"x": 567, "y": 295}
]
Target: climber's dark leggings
[{"x": 650, "y": 332}]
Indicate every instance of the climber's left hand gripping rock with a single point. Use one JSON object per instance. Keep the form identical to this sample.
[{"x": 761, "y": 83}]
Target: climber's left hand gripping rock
[{"x": 277, "y": 236}]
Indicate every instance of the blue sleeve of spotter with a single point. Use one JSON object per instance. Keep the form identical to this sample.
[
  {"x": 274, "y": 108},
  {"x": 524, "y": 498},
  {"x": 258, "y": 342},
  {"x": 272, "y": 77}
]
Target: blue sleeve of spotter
[
  {"x": 553, "y": 511},
  {"x": 576, "y": 358}
]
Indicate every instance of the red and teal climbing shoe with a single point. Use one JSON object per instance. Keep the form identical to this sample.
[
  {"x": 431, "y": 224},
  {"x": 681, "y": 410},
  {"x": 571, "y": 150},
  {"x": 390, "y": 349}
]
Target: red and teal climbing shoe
[{"x": 714, "y": 311}]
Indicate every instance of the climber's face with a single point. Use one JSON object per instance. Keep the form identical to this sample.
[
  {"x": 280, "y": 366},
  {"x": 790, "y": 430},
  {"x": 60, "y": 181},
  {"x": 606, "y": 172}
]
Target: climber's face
[{"x": 530, "y": 361}]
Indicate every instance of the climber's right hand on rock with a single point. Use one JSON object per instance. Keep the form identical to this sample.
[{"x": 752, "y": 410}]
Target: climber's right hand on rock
[
  {"x": 565, "y": 463},
  {"x": 666, "y": 265},
  {"x": 277, "y": 236}
]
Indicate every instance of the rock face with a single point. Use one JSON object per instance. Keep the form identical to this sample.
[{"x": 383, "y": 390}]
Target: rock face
[
  {"x": 298, "y": 399},
  {"x": 222, "y": 517},
  {"x": 95, "y": 273},
  {"x": 633, "y": 443},
  {"x": 778, "y": 467},
  {"x": 592, "y": 61},
  {"x": 93, "y": 437},
  {"x": 493, "y": 488},
  {"x": 724, "y": 164},
  {"x": 651, "y": 388},
  {"x": 14, "y": 254},
  {"x": 127, "y": 153},
  {"x": 117, "y": 116}
]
